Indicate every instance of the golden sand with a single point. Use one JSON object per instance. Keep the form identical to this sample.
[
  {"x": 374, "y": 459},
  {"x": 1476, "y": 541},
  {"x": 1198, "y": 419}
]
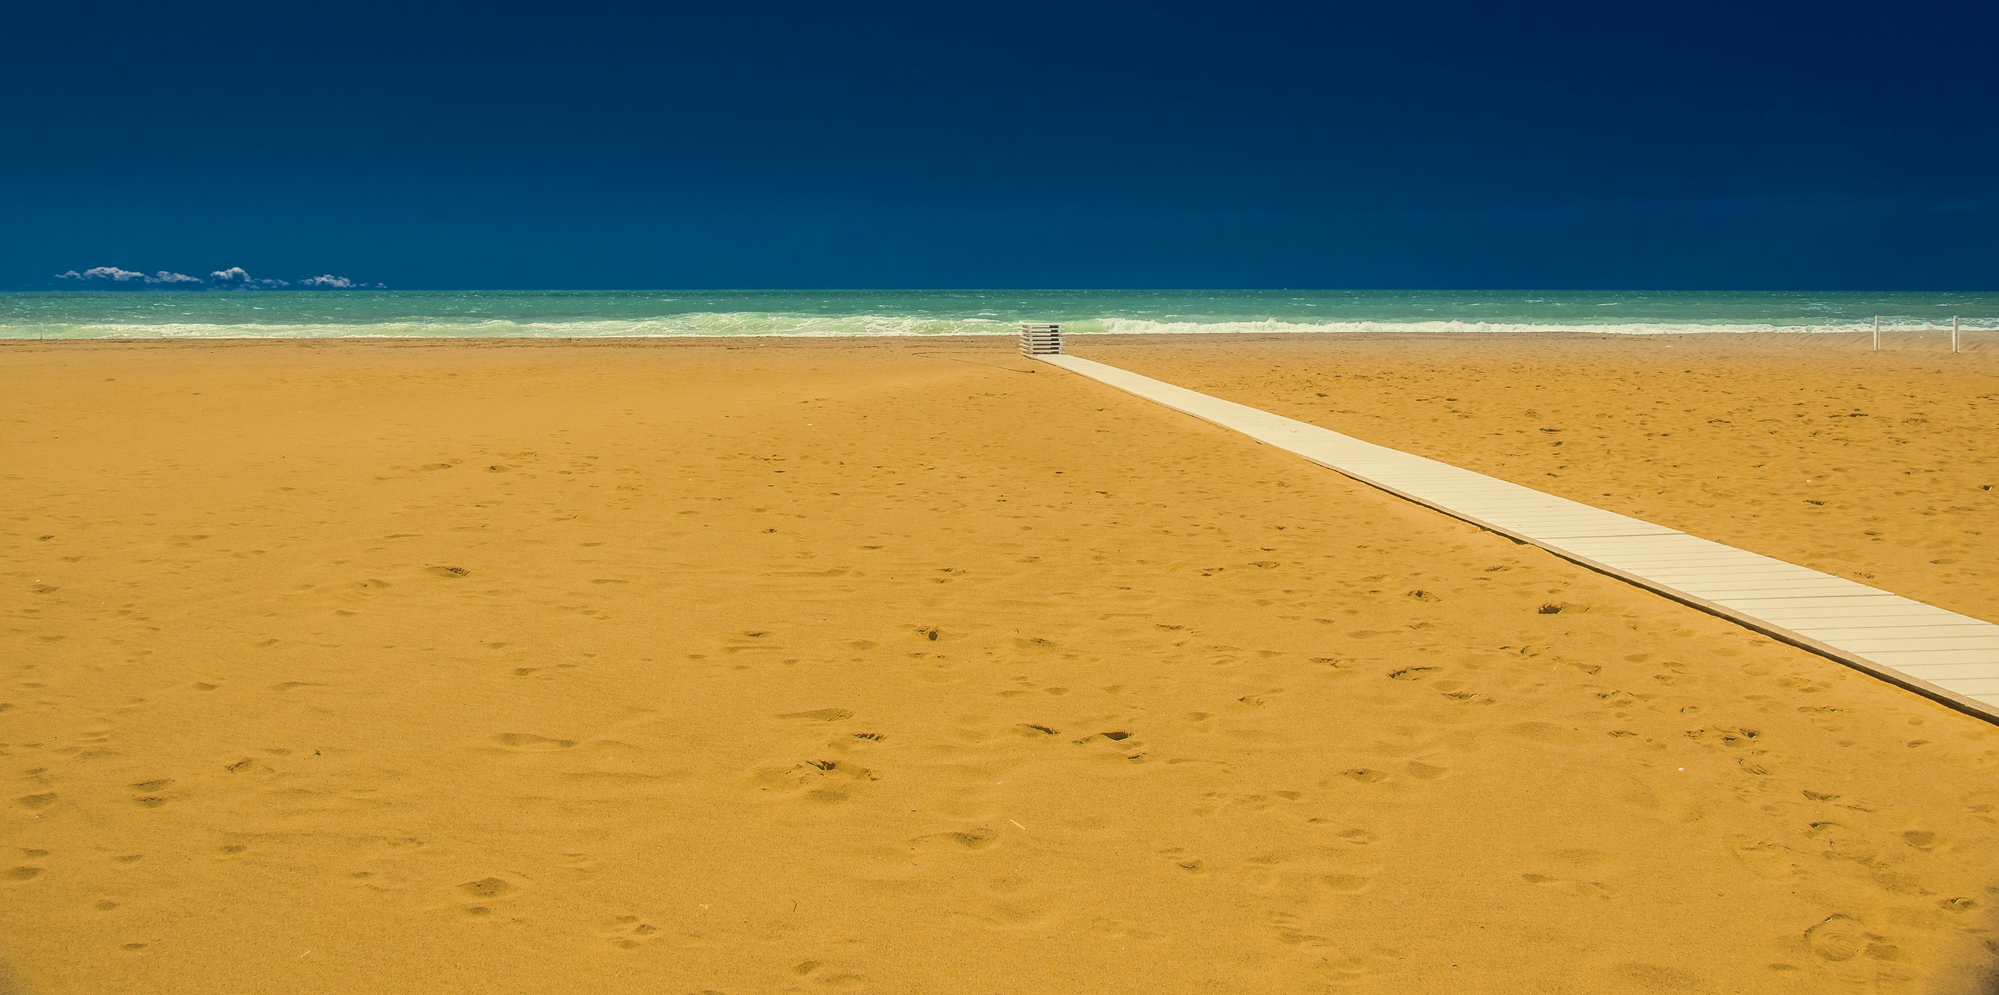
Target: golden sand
[{"x": 880, "y": 666}]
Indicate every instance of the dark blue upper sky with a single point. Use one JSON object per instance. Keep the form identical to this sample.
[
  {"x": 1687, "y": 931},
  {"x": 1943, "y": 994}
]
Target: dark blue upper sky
[{"x": 1128, "y": 144}]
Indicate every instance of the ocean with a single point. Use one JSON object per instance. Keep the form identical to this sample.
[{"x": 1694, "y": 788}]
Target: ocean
[{"x": 608, "y": 314}]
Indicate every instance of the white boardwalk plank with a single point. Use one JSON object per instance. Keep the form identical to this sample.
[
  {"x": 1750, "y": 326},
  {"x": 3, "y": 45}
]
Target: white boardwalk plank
[
  {"x": 1930, "y": 637},
  {"x": 1900, "y": 658},
  {"x": 1843, "y": 631},
  {"x": 1954, "y": 671},
  {"x": 1817, "y": 606},
  {"x": 1951, "y": 658}
]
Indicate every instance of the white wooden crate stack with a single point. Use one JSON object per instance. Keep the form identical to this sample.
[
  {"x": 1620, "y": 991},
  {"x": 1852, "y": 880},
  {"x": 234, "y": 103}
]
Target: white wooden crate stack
[{"x": 1040, "y": 339}]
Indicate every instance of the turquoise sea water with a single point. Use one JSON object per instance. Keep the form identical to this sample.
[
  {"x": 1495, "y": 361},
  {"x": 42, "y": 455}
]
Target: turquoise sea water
[{"x": 598, "y": 314}]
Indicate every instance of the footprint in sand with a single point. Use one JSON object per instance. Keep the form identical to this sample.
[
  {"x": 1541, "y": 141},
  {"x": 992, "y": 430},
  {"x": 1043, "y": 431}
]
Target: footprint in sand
[
  {"x": 1311, "y": 874},
  {"x": 1327, "y": 958},
  {"x": 975, "y": 838},
  {"x": 630, "y": 932},
  {"x": 1594, "y": 889},
  {"x": 1127, "y": 747},
  {"x": 1457, "y": 691},
  {"x": 1345, "y": 884},
  {"x": 1659, "y": 977},
  {"x": 450, "y": 571},
  {"x": 832, "y": 977},
  {"x": 819, "y": 715},
  {"x": 1840, "y": 938},
  {"x": 823, "y": 782},
  {"x": 1542, "y": 732},
  {"x": 1015, "y": 914},
  {"x": 527, "y": 742},
  {"x": 484, "y": 892},
  {"x": 38, "y": 801}
]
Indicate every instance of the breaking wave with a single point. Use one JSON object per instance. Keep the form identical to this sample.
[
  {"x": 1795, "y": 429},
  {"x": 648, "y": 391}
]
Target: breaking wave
[
  {"x": 704, "y": 325},
  {"x": 867, "y": 314}
]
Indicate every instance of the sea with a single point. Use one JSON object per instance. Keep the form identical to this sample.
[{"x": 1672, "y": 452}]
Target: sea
[{"x": 286, "y": 314}]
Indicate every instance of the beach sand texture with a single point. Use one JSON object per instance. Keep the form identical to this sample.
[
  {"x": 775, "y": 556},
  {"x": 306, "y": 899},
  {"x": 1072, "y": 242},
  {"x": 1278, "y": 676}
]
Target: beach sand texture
[{"x": 878, "y": 666}]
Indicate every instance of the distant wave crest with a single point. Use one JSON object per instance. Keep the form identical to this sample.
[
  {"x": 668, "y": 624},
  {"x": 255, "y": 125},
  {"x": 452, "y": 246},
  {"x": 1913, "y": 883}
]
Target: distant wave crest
[{"x": 1134, "y": 326}]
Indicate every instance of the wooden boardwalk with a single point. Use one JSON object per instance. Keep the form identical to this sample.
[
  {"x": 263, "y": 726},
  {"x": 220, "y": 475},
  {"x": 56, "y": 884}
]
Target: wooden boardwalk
[{"x": 1951, "y": 658}]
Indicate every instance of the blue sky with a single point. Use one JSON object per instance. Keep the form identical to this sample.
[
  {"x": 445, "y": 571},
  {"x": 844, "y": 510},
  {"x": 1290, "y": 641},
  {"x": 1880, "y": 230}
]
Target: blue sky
[{"x": 1683, "y": 145}]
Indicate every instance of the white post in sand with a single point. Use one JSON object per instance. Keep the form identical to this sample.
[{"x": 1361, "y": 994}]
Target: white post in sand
[
  {"x": 1953, "y": 334},
  {"x": 1877, "y": 333}
]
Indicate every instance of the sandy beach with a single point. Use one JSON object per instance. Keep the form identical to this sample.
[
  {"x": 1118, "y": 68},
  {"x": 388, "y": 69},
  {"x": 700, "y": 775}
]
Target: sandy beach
[{"x": 889, "y": 665}]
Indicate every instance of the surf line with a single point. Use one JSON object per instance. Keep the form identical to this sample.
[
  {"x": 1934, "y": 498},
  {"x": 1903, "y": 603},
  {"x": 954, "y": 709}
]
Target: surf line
[{"x": 1950, "y": 658}]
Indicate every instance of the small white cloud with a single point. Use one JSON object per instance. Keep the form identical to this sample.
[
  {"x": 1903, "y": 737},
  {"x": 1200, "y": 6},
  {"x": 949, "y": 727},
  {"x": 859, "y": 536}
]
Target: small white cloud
[
  {"x": 116, "y": 275},
  {"x": 233, "y": 278},
  {"x": 113, "y": 273},
  {"x": 236, "y": 276}
]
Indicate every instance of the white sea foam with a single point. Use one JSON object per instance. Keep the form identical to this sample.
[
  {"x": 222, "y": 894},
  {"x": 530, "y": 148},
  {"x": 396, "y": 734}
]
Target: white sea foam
[
  {"x": 1133, "y": 326},
  {"x": 750, "y": 323},
  {"x": 704, "y": 325}
]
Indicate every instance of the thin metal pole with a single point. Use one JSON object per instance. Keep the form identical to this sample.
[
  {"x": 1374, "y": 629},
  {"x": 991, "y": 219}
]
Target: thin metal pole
[
  {"x": 1877, "y": 333},
  {"x": 1953, "y": 334}
]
